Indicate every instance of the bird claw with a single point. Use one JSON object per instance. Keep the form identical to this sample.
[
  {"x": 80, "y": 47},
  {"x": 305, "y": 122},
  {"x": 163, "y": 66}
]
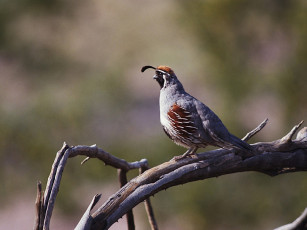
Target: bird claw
[{"x": 177, "y": 158}]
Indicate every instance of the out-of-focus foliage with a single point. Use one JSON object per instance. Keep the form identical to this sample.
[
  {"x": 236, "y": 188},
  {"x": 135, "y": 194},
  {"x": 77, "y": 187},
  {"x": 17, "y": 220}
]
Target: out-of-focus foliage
[
  {"x": 70, "y": 71},
  {"x": 255, "y": 48}
]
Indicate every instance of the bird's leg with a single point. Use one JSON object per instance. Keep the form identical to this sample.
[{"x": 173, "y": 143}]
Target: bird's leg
[{"x": 189, "y": 152}]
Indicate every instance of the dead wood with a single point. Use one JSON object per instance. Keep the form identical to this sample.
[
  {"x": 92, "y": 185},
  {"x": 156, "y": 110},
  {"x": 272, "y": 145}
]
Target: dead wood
[{"x": 271, "y": 158}]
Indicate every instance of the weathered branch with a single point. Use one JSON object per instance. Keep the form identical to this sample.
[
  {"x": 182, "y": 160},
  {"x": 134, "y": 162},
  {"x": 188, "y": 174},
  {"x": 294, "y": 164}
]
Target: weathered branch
[
  {"x": 272, "y": 158},
  {"x": 122, "y": 174},
  {"x": 252, "y": 133},
  {"x": 53, "y": 185},
  {"x": 45, "y": 208},
  {"x": 174, "y": 173},
  {"x": 108, "y": 159},
  {"x": 38, "y": 205},
  {"x": 149, "y": 210},
  {"x": 86, "y": 220}
]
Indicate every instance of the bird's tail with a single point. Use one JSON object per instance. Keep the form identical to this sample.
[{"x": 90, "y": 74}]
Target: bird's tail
[{"x": 240, "y": 144}]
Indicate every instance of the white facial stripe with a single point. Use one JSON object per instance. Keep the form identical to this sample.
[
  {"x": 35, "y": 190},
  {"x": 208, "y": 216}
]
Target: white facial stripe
[{"x": 163, "y": 72}]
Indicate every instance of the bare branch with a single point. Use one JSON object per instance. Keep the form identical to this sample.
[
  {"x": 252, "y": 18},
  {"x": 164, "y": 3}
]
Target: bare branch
[
  {"x": 255, "y": 131},
  {"x": 95, "y": 152},
  {"x": 54, "y": 179},
  {"x": 54, "y": 189},
  {"x": 273, "y": 158},
  {"x": 149, "y": 210},
  {"x": 38, "y": 205},
  {"x": 86, "y": 220},
  {"x": 51, "y": 177},
  {"x": 122, "y": 174},
  {"x": 85, "y": 160}
]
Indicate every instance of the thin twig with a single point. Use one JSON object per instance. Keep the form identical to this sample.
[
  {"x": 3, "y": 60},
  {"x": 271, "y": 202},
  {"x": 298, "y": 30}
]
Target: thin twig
[
  {"x": 85, "y": 160},
  {"x": 122, "y": 174},
  {"x": 250, "y": 134},
  {"x": 86, "y": 220},
  {"x": 88, "y": 158},
  {"x": 38, "y": 205},
  {"x": 148, "y": 207},
  {"x": 95, "y": 152}
]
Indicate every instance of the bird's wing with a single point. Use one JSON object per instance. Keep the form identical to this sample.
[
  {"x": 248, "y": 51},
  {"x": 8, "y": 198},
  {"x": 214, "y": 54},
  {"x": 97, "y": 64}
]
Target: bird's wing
[
  {"x": 190, "y": 120},
  {"x": 212, "y": 125},
  {"x": 181, "y": 120}
]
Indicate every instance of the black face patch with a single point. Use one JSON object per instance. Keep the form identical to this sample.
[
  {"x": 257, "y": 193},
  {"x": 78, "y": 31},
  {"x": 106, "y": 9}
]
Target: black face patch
[{"x": 159, "y": 78}]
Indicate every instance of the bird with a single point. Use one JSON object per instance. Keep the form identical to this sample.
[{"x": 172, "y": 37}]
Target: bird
[{"x": 187, "y": 121}]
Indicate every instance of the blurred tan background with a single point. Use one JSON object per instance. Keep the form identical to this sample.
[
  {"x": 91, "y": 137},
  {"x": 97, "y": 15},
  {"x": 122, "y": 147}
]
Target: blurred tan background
[{"x": 70, "y": 71}]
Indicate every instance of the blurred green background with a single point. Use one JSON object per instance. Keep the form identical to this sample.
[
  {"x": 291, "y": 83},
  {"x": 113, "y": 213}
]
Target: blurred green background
[{"x": 70, "y": 71}]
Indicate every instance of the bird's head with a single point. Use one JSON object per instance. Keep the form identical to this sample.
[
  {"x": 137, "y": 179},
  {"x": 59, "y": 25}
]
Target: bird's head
[{"x": 164, "y": 75}]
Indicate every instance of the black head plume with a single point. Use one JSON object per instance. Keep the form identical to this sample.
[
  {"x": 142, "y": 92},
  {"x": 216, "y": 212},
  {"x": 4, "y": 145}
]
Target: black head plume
[
  {"x": 158, "y": 76},
  {"x": 147, "y": 67}
]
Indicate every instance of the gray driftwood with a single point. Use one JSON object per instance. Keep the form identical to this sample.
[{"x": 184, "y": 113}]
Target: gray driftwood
[{"x": 271, "y": 158}]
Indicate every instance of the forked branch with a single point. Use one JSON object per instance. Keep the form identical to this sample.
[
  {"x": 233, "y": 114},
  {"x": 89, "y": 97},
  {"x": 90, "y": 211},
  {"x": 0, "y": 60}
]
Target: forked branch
[{"x": 271, "y": 158}]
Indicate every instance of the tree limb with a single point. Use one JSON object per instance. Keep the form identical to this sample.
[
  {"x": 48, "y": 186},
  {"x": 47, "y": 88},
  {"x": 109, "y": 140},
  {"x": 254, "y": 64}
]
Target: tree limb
[
  {"x": 45, "y": 207},
  {"x": 272, "y": 158},
  {"x": 122, "y": 174},
  {"x": 38, "y": 205},
  {"x": 250, "y": 134},
  {"x": 108, "y": 159},
  {"x": 149, "y": 210},
  {"x": 86, "y": 220},
  {"x": 53, "y": 185}
]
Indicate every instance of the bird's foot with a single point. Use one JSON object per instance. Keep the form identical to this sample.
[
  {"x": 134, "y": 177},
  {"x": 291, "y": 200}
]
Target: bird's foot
[
  {"x": 188, "y": 153},
  {"x": 177, "y": 158}
]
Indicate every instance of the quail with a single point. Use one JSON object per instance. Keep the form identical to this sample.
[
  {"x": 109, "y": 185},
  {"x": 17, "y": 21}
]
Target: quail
[{"x": 186, "y": 120}]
